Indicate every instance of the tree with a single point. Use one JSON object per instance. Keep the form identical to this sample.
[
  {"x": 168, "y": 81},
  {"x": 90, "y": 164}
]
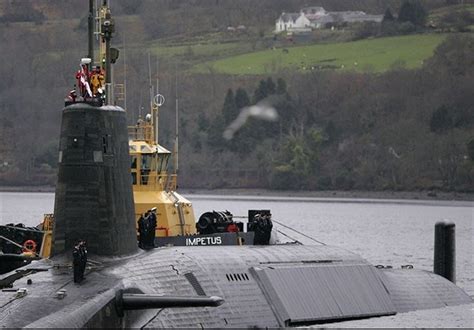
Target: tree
[
  {"x": 388, "y": 16},
  {"x": 366, "y": 30},
  {"x": 441, "y": 120},
  {"x": 470, "y": 149},
  {"x": 229, "y": 110},
  {"x": 412, "y": 11},
  {"x": 241, "y": 99},
  {"x": 261, "y": 92},
  {"x": 281, "y": 86},
  {"x": 454, "y": 55},
  {"x": 214, "y": 138},
  {"x": 460, "y": 20},
  {"x": 271, "y": 88}
]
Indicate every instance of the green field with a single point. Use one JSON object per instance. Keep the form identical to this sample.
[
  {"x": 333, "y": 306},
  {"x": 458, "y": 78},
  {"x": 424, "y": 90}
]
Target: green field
[
  {"x": 200, "y": 50},
  {"x": 373, "y": 55}
]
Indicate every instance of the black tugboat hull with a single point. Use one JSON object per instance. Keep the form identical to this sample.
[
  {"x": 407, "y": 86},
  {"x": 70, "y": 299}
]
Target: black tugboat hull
[
  {"x": 218, "y": 239},
  {"x": 9, "y": 262}
]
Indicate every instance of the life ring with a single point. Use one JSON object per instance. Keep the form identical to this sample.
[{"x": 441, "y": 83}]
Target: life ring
[{"x": 29, "y": 246}]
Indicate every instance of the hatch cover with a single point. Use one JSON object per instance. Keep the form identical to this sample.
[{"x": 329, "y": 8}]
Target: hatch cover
[{"x": 311, "y": 294}]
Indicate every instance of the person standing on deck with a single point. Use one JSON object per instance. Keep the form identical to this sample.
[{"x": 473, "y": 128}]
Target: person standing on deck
[
  {"x": 141, "y": 232},
  {"x": 76, "y": 263},
  {"x": 96, "y": 79},
  {"x": 82, "y": 76},
  {"x": 83, "y": 250},
  {"x": 152, "y": 228},
  {"x": 146, "y": 230}
]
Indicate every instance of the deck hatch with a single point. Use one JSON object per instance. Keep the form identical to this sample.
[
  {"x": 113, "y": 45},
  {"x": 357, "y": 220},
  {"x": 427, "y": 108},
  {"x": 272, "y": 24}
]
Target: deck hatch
[{"x": 312, "y": 294}]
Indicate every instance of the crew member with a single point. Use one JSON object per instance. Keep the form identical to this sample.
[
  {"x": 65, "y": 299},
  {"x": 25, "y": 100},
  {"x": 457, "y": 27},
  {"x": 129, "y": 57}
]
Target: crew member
[
  {"x": 83, "y": 249},
  {"x": 141, "y": 232},
  {"x": 76, "y": 263},
  {"x": 96, "y": 79},
  {"x": 72, "y": 95},
  {"x": 82, "y": 76},
  {"x": 152, "y": 228},
  {"x": 145, "y": 230},
  {"x": 232, "y": 228},
  {"x": 79, "y": 260}
]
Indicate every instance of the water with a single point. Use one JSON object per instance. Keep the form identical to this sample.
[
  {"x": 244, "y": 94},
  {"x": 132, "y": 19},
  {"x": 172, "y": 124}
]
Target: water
[{"x": 388, "y": 232}]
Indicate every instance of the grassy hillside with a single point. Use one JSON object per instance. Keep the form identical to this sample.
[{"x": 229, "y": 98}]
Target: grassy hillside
[{"x": 375, "y": 55}]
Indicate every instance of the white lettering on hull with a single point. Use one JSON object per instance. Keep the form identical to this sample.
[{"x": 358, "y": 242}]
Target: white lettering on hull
[{"x": 203, "y": 241}]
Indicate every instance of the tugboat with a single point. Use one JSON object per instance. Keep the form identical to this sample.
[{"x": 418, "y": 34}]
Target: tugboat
[
  {"x": 247, "y": 286},
  {"x": 155, "y": 189}
]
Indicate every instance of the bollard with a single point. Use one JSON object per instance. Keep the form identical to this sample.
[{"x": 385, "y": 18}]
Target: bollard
[{"x": 445, "y": 250}]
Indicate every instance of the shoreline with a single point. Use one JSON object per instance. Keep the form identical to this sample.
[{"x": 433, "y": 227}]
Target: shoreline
[{"x": 413, "y": 195}]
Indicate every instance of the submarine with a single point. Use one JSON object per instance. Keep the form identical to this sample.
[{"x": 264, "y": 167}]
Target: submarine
[{"x": 199, "y": 286}]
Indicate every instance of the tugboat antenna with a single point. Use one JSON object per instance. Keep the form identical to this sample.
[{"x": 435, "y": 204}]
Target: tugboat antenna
[
  {"x": 157, "y": 104},
  {"x": 176, "y": 145},
  {"x": 153, "y": 104},
  {"x": 149, "y": 81}
]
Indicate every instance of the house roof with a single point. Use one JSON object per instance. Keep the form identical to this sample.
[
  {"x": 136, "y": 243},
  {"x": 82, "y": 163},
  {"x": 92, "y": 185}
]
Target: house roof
[
  {"x": 321, "y": 19},
  {"x": 313, "y": 10},
  {"x": 286, "y": 17}
]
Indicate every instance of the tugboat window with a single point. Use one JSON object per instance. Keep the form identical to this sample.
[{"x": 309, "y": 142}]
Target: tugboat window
[
  {"x": 163, "y": 163},
  {"x": 133, "y": 168},
  {"x": 147, "y": 165}
]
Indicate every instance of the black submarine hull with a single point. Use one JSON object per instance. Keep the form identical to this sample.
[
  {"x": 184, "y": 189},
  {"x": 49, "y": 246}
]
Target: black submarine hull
[{"x": 262, "y": 286}]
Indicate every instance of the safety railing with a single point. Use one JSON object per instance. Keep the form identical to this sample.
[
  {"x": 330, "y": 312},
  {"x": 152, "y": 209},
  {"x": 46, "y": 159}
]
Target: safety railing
[
  {"x": 48, "y": 222},
  {"x": 144, "y": 133},
  {"x": 150, "y": 182}
]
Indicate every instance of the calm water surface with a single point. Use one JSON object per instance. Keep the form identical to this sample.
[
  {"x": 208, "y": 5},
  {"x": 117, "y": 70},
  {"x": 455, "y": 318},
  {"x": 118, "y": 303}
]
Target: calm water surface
[{"x": 389, "y": 232}]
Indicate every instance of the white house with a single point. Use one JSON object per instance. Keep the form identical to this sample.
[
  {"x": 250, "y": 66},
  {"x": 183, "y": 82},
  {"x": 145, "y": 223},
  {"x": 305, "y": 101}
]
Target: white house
[
  {"x": 293, "y": 22},
  {"x": 316, "y": 18}
]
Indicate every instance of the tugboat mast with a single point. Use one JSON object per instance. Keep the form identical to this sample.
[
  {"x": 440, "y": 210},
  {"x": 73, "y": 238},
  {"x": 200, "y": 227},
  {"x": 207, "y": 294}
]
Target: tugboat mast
[{"x": 176, "y": 142}]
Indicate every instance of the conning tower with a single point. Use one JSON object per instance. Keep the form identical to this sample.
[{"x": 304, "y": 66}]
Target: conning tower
[{"x": 94, "y": 199}]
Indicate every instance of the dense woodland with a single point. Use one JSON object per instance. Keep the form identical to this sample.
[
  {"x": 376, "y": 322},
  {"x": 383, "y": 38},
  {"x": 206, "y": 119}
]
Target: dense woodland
[{"x": 398, "y": 130}]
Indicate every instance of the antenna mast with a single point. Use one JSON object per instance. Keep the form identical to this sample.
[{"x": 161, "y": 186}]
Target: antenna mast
[
  {"x": 176, "y": 142},
  {"x": 157, "y": 103},
  {"x": 153, "y": 105},
  {"x": 124, "y": 76},
  {"x": 90, "y": 27},
  {"x": 107, "y": 29}
]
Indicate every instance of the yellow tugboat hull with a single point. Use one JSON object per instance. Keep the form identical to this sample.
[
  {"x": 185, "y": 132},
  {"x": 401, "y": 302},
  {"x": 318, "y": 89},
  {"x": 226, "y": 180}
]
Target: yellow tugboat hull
[{"x": 174, "y": 212}]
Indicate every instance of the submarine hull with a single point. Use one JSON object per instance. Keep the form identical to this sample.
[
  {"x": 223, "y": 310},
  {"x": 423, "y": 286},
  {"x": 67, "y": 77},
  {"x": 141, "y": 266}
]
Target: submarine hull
[{"x": 262, "y": 286}]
